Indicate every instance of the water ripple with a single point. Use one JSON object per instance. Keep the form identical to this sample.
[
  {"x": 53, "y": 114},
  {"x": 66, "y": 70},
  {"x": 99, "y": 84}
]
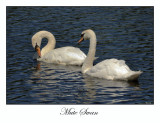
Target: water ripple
[{"x": 122, "y": 32}]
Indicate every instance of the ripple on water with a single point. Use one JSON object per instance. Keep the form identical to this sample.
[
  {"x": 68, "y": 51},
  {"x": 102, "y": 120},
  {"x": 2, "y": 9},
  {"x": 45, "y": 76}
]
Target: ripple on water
[{"x": 122, "y": 32}]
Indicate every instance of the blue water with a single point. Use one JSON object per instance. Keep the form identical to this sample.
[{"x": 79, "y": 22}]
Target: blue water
[{"x": 122, "y": 32}]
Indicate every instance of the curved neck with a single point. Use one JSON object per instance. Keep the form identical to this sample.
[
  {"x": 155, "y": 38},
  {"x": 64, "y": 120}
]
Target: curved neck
[
  {"x": 50, "y": 45},
  {"x": 88, "y": 63},
  {"x": 37, "y": 38}
]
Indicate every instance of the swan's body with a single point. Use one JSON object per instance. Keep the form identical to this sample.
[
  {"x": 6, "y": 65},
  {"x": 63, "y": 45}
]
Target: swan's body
[
  {"x": 111, "y": 69},
  {"x": 65, "y": 55}
]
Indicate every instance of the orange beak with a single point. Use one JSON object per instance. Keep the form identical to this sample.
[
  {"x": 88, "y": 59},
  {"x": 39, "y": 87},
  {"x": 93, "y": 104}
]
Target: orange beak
[
  {"x": 38, "y": 51},
  {"x": 80, "y": 40}
]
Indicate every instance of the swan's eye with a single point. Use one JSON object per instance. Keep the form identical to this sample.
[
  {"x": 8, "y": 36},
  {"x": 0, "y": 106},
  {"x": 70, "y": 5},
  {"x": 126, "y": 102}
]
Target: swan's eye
[{"x": 82, "y": 35}]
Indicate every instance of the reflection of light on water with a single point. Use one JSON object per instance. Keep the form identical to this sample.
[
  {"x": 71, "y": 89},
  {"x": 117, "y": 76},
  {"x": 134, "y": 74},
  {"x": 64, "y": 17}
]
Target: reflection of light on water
[
  {"x": 106, "y": 87},
  {"x": 51, "y": 71},
  {"x": 53, "y": 83}
]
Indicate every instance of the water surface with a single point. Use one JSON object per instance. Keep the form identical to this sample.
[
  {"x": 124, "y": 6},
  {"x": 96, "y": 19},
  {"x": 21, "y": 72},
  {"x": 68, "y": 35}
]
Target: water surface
[{"x": 122, "y": 32}]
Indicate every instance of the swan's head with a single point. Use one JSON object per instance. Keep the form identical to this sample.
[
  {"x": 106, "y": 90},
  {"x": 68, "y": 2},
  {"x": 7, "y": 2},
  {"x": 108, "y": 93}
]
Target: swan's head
[
  {"x": 87, "y": 35},
  {"x": 37, "y": 38},
  {"x": 37, "y": 48},
  {"x": 36, "y": 43}
]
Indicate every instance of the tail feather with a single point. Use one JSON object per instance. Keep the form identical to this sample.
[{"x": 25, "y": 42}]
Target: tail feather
[{"x": 134, "y": 76}]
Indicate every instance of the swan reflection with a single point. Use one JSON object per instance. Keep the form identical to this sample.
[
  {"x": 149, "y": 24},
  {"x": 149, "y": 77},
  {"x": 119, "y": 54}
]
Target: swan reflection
[{"x": 53, "y": 83}]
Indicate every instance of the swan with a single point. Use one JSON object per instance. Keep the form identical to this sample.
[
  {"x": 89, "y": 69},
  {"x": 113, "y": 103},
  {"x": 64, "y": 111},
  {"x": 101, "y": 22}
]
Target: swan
[
  {"x": 65, "y": 55},
  {"x": 111, "y": 69}
]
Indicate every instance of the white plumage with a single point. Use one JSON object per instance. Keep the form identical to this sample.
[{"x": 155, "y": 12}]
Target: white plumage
[
  {"x": 64, "y": 55},
  {"x": 111, "y": 69}
]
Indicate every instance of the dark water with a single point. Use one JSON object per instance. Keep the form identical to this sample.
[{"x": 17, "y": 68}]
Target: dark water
[{"x": 122, "y": 32}]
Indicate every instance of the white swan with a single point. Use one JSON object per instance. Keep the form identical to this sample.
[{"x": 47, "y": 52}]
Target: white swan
[
  {"x": 111, "y": 69},
  {"x": 66, "y": 55}
]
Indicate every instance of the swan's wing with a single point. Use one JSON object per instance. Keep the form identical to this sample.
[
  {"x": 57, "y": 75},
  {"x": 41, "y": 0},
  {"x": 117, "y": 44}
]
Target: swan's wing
[
  {"x": 74, "y": 52},
  {"x": 65, "y": 55},
  {"x": 110, "y": 69}
]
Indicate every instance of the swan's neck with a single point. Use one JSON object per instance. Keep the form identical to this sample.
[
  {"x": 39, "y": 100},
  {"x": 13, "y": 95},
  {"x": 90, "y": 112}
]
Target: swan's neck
[
  {"x": 88, "y": 63},
  {"x": 50, "y": 45}
]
